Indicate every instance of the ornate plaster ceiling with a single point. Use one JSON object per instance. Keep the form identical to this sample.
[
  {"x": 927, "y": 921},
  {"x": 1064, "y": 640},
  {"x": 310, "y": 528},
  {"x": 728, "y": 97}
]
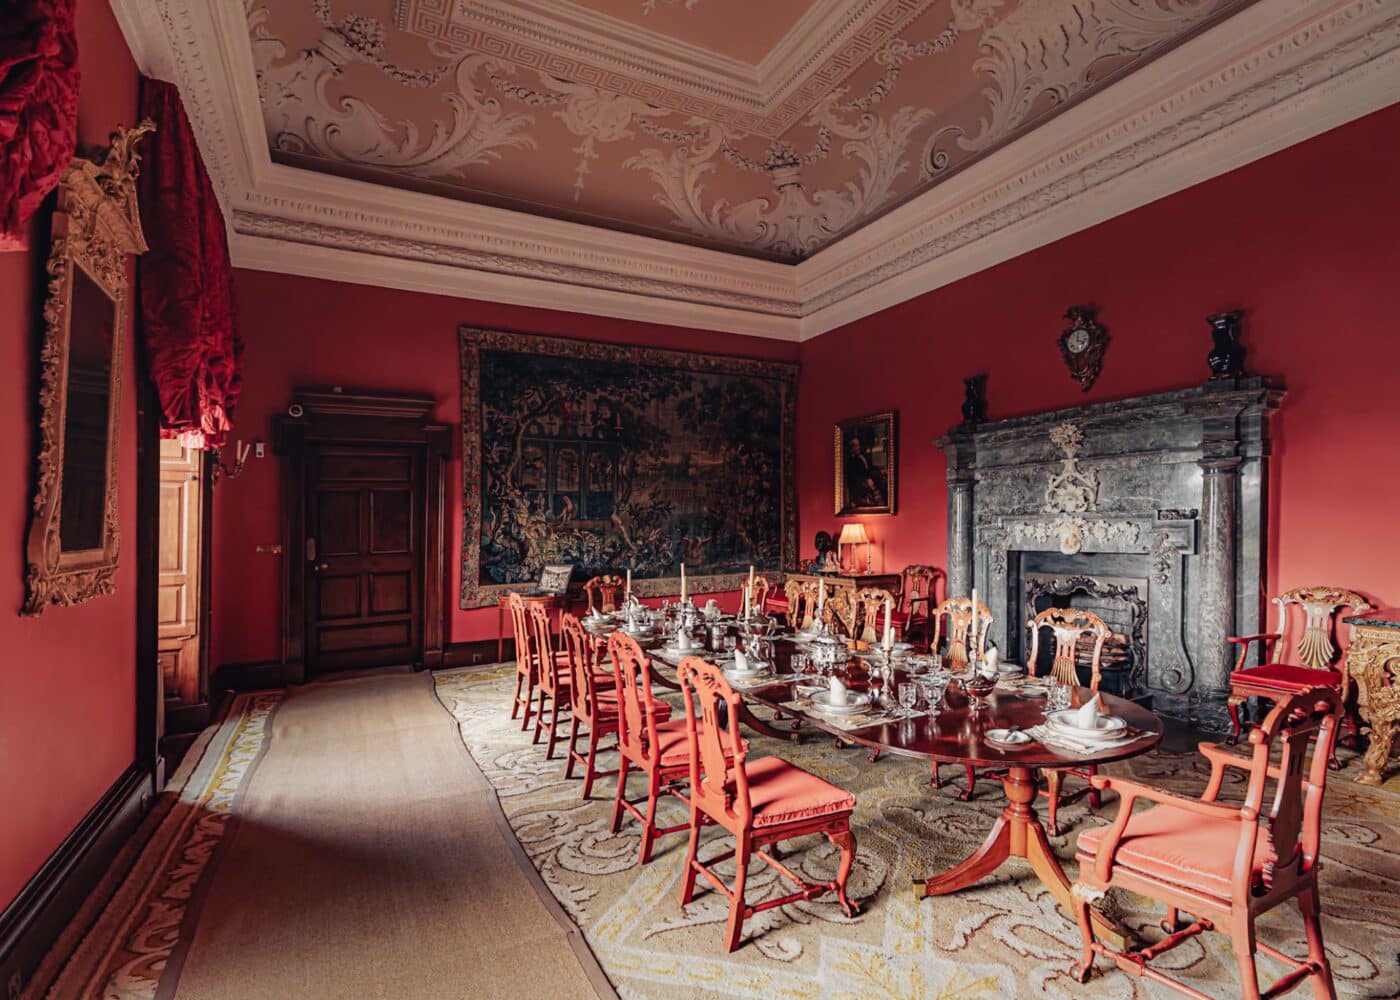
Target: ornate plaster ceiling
[{"x": 764, "y": 127}]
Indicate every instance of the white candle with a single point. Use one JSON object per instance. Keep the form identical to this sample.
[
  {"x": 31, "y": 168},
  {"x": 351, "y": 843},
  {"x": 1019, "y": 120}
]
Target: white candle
[
  {"x": 628, "y": 595},
  {"x": 889, "y": 623},
  {"x": 751, "y": 576},
  {"x": 746, "y": 603},
  {"x": 682, "y": 583},
  {"x": 821, "y": 598}
]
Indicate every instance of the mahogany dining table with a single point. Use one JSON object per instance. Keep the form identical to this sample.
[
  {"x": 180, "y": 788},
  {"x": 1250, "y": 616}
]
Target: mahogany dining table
[{"x": 954, "y": 735}]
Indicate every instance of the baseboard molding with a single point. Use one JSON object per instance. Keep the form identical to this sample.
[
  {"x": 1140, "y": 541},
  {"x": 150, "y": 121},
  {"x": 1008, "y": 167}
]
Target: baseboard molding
[
  {"x": 187, "y": 718},
  {"x": 42, "y": 910},
  {"x": 477, "y": 653}
]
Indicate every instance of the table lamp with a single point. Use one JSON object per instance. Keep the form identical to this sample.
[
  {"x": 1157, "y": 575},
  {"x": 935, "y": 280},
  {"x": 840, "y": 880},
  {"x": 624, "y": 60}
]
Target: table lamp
[{"x": 853, "y": 533}]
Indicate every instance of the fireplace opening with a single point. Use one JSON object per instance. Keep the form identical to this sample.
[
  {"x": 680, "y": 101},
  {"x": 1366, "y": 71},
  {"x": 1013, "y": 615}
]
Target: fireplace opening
[{"x": 1095, "y": 583}]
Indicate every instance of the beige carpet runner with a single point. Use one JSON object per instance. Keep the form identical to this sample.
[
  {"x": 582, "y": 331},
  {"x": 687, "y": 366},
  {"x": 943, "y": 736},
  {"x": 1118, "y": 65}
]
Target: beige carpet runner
[{"x": 366, "y": 858}]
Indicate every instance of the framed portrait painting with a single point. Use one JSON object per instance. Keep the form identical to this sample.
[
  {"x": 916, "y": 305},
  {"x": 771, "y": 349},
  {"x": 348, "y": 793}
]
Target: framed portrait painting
[{"x": 866, "y": 464}]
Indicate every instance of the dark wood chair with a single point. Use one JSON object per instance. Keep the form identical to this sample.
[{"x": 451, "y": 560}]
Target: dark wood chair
[{"x": 601, "y": 593}]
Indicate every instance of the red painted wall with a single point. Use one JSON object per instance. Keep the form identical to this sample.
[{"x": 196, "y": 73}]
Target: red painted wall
[
  {"x": 302, "y": 332},
  {"x": 67, "y": 678},
  {"x": 1304, "y": 240}
]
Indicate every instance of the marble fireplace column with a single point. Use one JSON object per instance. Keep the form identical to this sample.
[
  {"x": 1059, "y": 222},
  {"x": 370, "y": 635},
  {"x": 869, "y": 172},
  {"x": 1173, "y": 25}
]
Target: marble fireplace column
[
  {"x": 959, "y": 449},
  {"x": 1219, "y": 492}
]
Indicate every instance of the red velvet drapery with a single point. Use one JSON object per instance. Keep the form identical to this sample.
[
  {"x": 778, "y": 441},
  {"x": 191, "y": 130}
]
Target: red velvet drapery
[
  {"x": 192, "y": 345},
  {"x": 38, "y": 107}
]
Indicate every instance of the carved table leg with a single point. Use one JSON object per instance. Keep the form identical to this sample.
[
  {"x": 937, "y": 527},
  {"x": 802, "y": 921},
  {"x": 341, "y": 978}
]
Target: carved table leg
[
  {"x": 658, "y": 678},
  {"x": 765, "y": 729},
  {"x": 1373, "y": 663},
  {"x": 1018, "y": 833},
  {"x": 1378, "y": 753}
]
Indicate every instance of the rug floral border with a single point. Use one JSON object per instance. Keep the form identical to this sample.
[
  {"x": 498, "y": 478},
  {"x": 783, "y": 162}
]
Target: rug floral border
[{"x": 473, "y": 340}]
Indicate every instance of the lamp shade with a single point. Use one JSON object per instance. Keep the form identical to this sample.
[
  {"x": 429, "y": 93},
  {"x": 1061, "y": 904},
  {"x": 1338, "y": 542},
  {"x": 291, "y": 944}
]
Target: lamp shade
[{"x": 853, "y": 534}]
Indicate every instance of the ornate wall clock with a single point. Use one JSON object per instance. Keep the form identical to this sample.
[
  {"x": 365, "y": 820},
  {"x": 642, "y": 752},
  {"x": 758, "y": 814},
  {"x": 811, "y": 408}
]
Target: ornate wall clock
[{"x": 1083, "y": 346}]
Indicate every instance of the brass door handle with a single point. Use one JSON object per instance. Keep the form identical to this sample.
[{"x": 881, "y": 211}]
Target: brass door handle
[{"x": 319, "y": 567}]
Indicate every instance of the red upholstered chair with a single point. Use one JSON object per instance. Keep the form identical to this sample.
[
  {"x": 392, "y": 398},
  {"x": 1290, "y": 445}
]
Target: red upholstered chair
[
  {"x": 601, "y": 592},
  {"x": 527, "y": 673},
  {"x": 759, "y": 802},
  {"x": 1073, "y": 630},
  {"x": 592, "y": 703},
  {"x": 1303, "y": 652},
  {"x": 957, "y": 612},
  {"x": 552, "y": 672},
  {"x": 654, "y": 745},
  {"x": 1225, "y": 864}
]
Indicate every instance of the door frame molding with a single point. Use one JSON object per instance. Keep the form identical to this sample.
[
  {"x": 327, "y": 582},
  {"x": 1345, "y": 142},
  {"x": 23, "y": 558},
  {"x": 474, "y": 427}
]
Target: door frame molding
[{"x": 338, "y": 417}]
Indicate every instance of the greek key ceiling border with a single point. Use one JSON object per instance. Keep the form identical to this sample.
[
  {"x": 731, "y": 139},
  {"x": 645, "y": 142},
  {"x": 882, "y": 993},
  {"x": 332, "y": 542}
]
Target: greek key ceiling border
[{"x": 1277, "y": 73}]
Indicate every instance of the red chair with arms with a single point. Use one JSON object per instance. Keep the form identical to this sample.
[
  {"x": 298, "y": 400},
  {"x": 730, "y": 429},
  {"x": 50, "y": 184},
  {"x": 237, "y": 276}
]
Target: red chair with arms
[
  {"x": 760, "y": 802},
  {"x": 1303, "y": 653},
  {"x": 1225, "y": 864}
]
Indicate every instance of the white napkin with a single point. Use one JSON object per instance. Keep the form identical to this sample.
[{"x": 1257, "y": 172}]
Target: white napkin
[
  {"x": 839, "y": 694},
  {"x": 992, "y": 657},
  {"x": 741, "y": 660},
  {"x": 682, "y": 640},
  {"x": 1088, "y": 714}
]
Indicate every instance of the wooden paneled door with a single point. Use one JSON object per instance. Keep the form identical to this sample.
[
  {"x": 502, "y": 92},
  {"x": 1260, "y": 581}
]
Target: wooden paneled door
[
  {"x": 181, "y": 544},
  {"x": 364, "y": 556}
]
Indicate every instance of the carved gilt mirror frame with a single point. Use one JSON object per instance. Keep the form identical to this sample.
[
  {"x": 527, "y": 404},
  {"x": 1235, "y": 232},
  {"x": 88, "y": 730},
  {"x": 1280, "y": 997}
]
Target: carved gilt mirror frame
[{"x": 73, "y": 533}]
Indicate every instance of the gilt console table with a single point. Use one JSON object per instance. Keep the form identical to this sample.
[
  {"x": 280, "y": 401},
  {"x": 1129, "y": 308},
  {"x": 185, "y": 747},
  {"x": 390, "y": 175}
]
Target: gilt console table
[{"x": 1373, "y": 664}]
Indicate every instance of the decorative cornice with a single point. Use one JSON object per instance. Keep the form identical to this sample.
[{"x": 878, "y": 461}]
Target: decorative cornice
[{"x": 1277, "y": 73}]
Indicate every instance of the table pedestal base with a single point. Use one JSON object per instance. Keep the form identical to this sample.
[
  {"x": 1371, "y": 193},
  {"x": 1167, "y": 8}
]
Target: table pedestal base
[{"x": 1018, "y": 833}]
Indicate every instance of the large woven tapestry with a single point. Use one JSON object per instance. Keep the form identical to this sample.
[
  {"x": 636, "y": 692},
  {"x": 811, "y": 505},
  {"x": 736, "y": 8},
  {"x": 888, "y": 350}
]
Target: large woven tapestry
[{"x": 615, "y": 458}]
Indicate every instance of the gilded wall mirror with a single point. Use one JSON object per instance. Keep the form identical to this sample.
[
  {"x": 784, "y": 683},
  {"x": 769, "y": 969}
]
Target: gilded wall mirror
[{"x": 73, "y": 536}]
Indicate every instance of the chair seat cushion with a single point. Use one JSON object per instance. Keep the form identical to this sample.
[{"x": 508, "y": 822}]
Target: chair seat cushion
[
  {"x": 1287, "y": 677},
  {"x": 674, "y": 744},
  {"x": 607, "y": 706},
  {"x": 775, "y": 604},
  {"x": 784, "y": 793},
  {"x": 1184, "y": 848},
  {"x": 601, "y": 679}
]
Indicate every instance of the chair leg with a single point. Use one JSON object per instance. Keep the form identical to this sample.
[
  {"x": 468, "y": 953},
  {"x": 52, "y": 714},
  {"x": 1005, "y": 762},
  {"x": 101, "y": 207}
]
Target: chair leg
[
  {"x": 1249, "y": 972},
  {"x": 515, "y": 704},
  {"x": 590, "y": 767},
  {"x": 1095, "y": 799},
  {"x": 649, "y": 824},
  {"x": 553, "y": 727},
  {"x": 1086, "y": 933},
  {"x": 571, "y": 749},
  {"x": 937, "y": 780},
  {"x": 621, "y": 792},
  {"x": 1052, "y": 792},
  {"x": 528, "y": 705},
  {"x": 539, "y": 718},
  {"x": 1170, "y": 922},
  {"x": 846, "y": 841},
  {"x": 735, "y": 926},
  {"x": 1233, "y": 707},
  {"x": 1321, "y": 979},
  {"x": 691, "y": 854}
]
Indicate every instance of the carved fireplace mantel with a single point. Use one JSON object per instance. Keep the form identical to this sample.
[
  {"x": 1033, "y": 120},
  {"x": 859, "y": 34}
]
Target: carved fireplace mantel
[{"x": 1173, "y": 484}]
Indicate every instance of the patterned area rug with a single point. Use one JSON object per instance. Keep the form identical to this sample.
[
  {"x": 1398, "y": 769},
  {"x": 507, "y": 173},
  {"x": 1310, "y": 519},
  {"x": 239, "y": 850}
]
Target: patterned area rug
[{"x": 1005, "y": 937}]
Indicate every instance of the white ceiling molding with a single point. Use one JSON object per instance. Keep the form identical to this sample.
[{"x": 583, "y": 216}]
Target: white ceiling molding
[{"x": 1275, "y": 74}]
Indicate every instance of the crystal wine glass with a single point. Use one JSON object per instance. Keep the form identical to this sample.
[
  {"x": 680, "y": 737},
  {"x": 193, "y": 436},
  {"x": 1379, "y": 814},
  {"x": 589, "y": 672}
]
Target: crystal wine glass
[{"x": 908, "y": 695}]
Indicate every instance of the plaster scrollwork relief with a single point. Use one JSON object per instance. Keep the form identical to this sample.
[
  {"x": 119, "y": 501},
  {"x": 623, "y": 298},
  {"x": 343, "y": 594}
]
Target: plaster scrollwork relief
[
  {"x": 1034, "y": 59},
  {"x": 305, "y": 117},
  {"x": 649, "y": 6}
]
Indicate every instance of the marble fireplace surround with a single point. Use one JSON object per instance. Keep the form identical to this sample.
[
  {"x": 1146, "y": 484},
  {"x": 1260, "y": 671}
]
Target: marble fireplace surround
[{"x": 1178, "y": 479}]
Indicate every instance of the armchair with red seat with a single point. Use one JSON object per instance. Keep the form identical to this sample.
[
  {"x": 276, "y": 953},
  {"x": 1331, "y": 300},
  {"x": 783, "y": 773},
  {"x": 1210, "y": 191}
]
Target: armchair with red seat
[
  {"x": 1226, "y": 864},
  {"x": 1303, "y": 652}
]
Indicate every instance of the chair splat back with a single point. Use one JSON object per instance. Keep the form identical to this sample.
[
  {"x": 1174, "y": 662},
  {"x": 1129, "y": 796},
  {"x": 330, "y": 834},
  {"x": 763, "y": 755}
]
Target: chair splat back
[
  {"x": 802, "y": 603},
  {"x": 868, "y": 618},
  {"x": 541, "y": 649},
  {"x": 578, "y": 645},
  {"x": 918, "y": 591},
  {"x": 601, "y": 592},
  {"x": 1320, "y": 608},
  {"x": 761, "y": 586},
  {"x": 1305, "y": 730},
  {"x": 1070, "y": 627},
  {"x": 716, "y": 790},
  {"x": 958, "y": 612},
  {"x": 636, "y": 738}
]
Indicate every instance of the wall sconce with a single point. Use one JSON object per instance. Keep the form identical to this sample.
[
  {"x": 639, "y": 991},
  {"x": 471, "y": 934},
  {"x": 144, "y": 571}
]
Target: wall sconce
[{"x": 222, "y": 471}]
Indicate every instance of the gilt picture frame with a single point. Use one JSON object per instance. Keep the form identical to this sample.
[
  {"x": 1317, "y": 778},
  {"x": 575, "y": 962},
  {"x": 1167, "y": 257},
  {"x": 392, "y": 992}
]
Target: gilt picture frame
[{"x": 866, "y": 453}]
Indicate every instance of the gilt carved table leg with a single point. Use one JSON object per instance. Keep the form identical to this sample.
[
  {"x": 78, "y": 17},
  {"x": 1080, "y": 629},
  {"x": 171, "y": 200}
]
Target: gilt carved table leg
[{"x": 1373, "y": 663}]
